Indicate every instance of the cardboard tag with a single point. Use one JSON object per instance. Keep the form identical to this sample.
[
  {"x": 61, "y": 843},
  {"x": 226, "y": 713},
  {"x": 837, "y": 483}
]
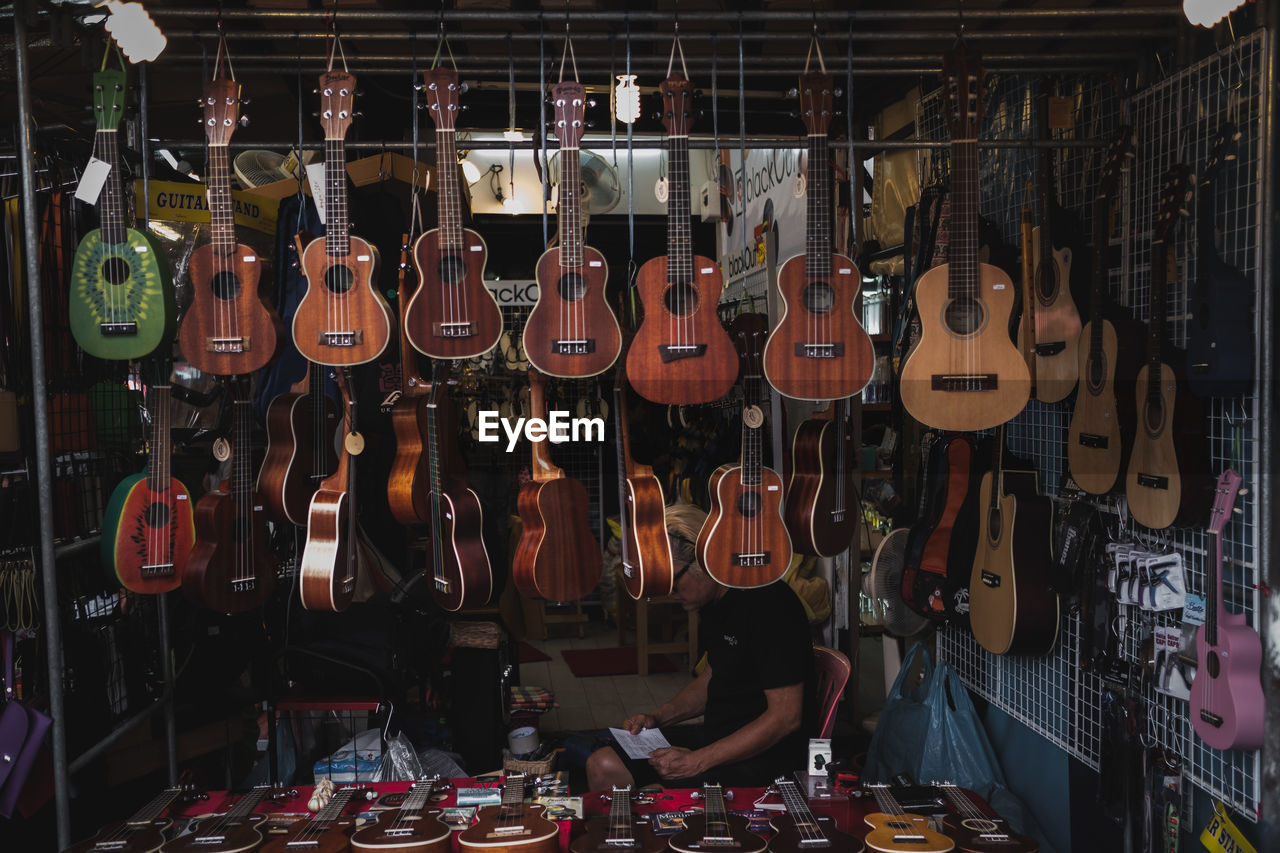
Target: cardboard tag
[
  {"x": 92, "y": 181},
  {"x": 315, "y": 177},
  {"x": 1059, "y": 113},
  {"x": 1193, "y": 609}
]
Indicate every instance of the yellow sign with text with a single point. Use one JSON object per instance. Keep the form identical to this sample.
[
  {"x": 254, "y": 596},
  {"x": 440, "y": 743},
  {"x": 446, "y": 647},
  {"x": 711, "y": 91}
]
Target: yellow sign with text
[
  {"x": 174, "y": 202},
  {"x": 1220, "y": 835}
]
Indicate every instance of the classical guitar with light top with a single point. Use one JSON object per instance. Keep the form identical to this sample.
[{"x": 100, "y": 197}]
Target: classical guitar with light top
[
  {"x": 451, "y": 314},
  {"x": 122, "y": 300},
  {"x": 1227, "y": 707}
]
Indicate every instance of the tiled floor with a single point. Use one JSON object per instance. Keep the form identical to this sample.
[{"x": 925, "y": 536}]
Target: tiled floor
[{"x": 600, "y": 701}]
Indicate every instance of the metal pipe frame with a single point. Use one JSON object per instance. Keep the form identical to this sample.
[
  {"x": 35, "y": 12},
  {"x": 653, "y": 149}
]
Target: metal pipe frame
[
  {"x": 44, "y": 462},
  {"x": 798, "y": 35},
  {"x": 1053, "y": 64},
  {"x": 120, "y": 730},
  {"x": 659, "y": 143}
]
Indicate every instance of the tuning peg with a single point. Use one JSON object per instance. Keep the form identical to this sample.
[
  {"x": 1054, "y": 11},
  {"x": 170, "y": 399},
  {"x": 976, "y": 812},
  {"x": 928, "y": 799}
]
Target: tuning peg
[
  {"x": 793, "y": 93},
  {"x": 464, "y": 107},
  {"x": 463, "y": 87},
  {"x": 359, "y": 113},
  {"x": 589, "y": 123},
  {"x": 591, "y": 102},
  {"x": 839, "y": 93},
  {"x": 244, "y": 121}
]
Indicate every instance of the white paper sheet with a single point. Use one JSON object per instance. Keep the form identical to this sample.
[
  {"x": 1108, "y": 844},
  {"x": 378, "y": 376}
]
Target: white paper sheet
[{"x": 639, "y": 746}]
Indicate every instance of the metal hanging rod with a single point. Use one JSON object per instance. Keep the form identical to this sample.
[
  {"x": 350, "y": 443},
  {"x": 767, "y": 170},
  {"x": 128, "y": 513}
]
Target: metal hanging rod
[
  {"x": 694, "y": 37},
  {"x": 501, "y": 63}
]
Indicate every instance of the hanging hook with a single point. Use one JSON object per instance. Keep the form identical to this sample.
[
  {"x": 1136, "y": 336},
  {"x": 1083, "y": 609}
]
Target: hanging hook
[{"x": 568, "y": 47}]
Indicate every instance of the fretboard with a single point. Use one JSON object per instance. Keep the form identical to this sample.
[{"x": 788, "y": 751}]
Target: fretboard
[
  {"x": 242, "y": 454},
  {"x": 817, "y": 258},
  {"x": 448, "y": 193},
  {"x": 222, "y": 216},
  {"x": 679, "y": 229},
  {"x": 337, "y": 240},
  {"x": 417, "y": 799},
  {"x": 798, "y": 808},
  {"x": 320, "y": 432},
  {"x": 111, "y": 213},
  {"x": 962, "y": 249},
  {"x": 715, "y": 816},
  {"x": 569, "y": 208},
  {"x": 337, "y": 804},
  {"x": 156, "y": 807},
  {"x": 247, "y": 803},
  {"x": 1101, "y": 239},
  {"x": 158, "y": 463},
  {"x": 1213, "y": 589},
  {"x": 1157, "y": 307},
  {"x": 620, "y": 822},
  {"x": 752, "y": 437}
]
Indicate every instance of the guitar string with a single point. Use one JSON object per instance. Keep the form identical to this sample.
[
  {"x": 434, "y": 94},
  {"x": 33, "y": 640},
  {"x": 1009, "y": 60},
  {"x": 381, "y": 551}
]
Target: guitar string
[
  {"x": 969, "y": 810},
  {"x": 803, "y": 819}
]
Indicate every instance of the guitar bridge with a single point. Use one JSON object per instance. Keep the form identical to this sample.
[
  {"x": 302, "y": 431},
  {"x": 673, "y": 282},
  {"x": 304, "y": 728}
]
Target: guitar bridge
[
  {"x": 443, "y": 585},
  {"x": 226, "y": 345},
  {"x": 990, "y": 580},
  {"x": 118, "y": 330},
  {"x": 1153, "y": 481},
  {"x": 757, "y": 558},
  {"x": 832, "y": 350},
  {"x": 674, "y": 352},
  {"x": 352, "y": 338},
  {"x": 965, "y": 382},
  {"x": 1211, "y": 718},
  {"x": 244, "y": 585},
  {"x": 157, "y": 570},
  {"x": 1050, "y": 348},
  {"x": 453, "y": 330},
  {"x": 1092, "y": 441},
  {"x": 573, "y": 346}
]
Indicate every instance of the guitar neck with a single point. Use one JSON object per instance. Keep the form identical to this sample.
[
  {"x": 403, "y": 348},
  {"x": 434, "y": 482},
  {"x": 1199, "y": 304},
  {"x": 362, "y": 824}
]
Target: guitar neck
[
  {"x": 752, "y": 439},
  {"x": 337, "y": 237},
  {"x": 222, "y": 217},
  {"x": 448, "y": 191},
  {"x": 410, "y": 380},
  {"x": 113, "y": 224},
  {"x": 417, "y": 799},
  {"x": 569, "y": 213},
  {"x": 962, "y": 247},
  {"x": 247, "y": 804},
  {"x": 817, "y": 257},
  {"x": 1156, "y": 309},
  {"x": 621, "y": 829},
  {"x": 1097, "y": 290},
  {"x": 799, "y": 810},
  {"x": 715, "y": 816},
  {"x": 337, "y": 805},
  {"x": 1044, "y": 196},
  {"x": 679, "y": 228},
  {"x": 155, "y": 808},
  {"x": 1213, "y": 608},
  {"x": 158, "y": 462}
]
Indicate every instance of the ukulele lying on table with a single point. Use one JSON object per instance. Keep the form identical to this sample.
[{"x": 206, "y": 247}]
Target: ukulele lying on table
[
  {"x": 408, "y": 829},
  {"x": 142, "y": 833},
  {"x": 974, "y": 831},
  {"x": 236, "y": 831},
  {"x": 715, "y": 828},
  {"x": 327, "y": 831},
  {"x": 893, "y": 830},
  {"x": 512, "y": 826},
  {"x": 620, "y": 831},
  {"x": 799, "y": 830}
]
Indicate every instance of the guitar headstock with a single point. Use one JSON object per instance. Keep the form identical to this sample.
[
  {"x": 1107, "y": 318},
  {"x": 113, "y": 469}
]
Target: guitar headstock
[
  {"x": 221, "y": 103},
  {"x": 1175, "y": 190},
  {"x": 569, "y": 98},
  {"x": 962, "y": 92},
  {"x": 1223, "y": 150},
  {"x": 749, "y": 332},
  {"x": 1120, "y": 150},
  {"x": 816, "y": 95},
  {"x": 442, "y": 90},
  {"x": 337, "y": 95},
  {"x": 677, "y": 97},
  {"x": 108, "y": 99},
  {"x": 1224, "y": 499}
]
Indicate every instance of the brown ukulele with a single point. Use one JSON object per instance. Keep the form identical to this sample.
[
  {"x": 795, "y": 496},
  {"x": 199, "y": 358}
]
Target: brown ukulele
[
  {"x": 822, "y": 512},
  {"x": 452, "y": 314},
  {"x": 343, "y": 318},
  {"x": 818, "y": 350},
  {"x": 964, "y": 373},
  {"x": 1012, "y": 608},
  {"x": 408, "y": 829},
  {"x": 556, "y": 558},
  {"x": 619, "y": 831},
  {"x": 234, "y": 832},
  {"x": 329, "y": 558},
  {"x": 715, "y": 828},
  {"x": 512, "y": 826},
  {"x": 410, "y": 474},
  {"x": 1055, "y": 333},
  {"x": 232, "y": 567},
  {"x": 326, "y": 832},
  {"x": 893, "y": 830},
  {"x": 799, "y": 829},
  {"x": 1165, "y": 480},
  {"x": 744, "y": 541},
  {"x": 572, "y": 330},
  {"x": 1095, "y": 442},
  {"x": 227, "y": 329},
  {"x": 974, "y": 831},
  {"x": 300, "y": 447},
  {"x": 647, "y": 568},
  {"x": 681, "y": 354},
  {"x": 142, "y": 833}
]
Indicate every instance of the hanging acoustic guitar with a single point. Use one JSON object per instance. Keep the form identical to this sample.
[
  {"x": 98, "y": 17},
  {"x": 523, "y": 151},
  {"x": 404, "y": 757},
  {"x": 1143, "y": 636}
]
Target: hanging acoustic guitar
[
  {"x": 342, "y": 319},
  {"x": 451, "y": 314},
  {"x": 329, "y": 565},
  {"x": 818, "y": 350},
  {"x": 822, "y": 511},
  {"x": 646, "y": 560},
  {"x": 227, "y": 329},
  {"x": 121, "y": 292},
  {"x": 410, "y": 477},
  {"x": 965, "y": 373},
  {"x": 301, "y": 451},
  {"x": 571, "y": 331},
  {"x": 681, "y": 355}
]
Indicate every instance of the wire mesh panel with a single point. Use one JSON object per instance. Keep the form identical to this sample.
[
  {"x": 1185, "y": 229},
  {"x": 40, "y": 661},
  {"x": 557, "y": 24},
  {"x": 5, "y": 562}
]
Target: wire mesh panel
[{"x": 1175, "y": 121}]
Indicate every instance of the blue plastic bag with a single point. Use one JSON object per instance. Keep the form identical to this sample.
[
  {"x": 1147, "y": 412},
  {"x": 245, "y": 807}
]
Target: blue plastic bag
[{"x": 898, "y": 743}]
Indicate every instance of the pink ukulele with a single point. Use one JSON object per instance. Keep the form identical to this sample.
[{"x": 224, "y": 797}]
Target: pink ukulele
[{"x": 1226, "y": 693}]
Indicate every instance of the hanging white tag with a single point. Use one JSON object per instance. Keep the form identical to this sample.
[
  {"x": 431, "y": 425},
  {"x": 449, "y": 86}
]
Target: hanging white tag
[
  {"x": 92, "y": 181},
  {"x": 627, "y": 99},
  {"x": 798, "y": 189},
  {"x": 315, "y": 177},
  {"x": 660, "y": 190}
]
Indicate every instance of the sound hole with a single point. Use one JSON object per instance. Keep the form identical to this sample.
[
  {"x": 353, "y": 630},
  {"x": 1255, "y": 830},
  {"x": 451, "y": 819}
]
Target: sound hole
[
  {"x": 1095, "y": 373},
  {"x": 452, "y": 268},
  {"x": 979, "y": 824},
  {"x": 1155, "y": 413},
  {"x": 819, "y": 297},
  {"x": 1213, "y": 665},
  {"x": 1047, "y": 282},
  {"x": 964, "y": 316},
  {"x": 571, "y": 286},
  {"x": 681, "y": 299},
  {"x": 993, "y": 523},
  {"x": 115, "y": 271},
  {"x": 749, "y": 504},
  {"x": 226, "y": 285},
  {"x": 339, "y": 278},
  {"x": 158, "y": 515}
]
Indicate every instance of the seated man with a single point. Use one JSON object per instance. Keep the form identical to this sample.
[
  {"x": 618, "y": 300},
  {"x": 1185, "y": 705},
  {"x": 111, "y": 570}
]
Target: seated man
[{"x": 755, "y": 693}]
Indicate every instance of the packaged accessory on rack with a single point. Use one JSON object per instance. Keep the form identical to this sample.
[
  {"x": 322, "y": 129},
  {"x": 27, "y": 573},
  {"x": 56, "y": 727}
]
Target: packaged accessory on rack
[{"x": 22, "y": 732}]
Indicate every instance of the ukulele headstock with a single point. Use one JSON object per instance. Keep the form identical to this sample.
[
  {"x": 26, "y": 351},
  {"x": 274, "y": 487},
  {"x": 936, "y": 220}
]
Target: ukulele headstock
[
  {"x": 108, "y": 99},
  {"x": 749, "y": 332},
  {"x": 337, "y": 96},
  {"x": 569, "y": 99},
  {"x": 221, "y": 102},
  {"x": 1175, "y": 190},
  {"x": 1224, "y": 499},
  {"x": 442, "y": 88},
  {"x": 677, "y": 97},
  {"x": 816, "y": 95},
  {"x": 962, "y": 92},
  {"x": 1120, "y": 151}
]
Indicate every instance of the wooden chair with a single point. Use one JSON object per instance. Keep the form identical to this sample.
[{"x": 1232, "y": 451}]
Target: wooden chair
[{"x": 831, "y": 674}]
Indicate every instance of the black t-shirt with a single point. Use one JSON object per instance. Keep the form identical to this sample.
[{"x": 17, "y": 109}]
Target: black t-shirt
[{"x": 757, "y": 639}]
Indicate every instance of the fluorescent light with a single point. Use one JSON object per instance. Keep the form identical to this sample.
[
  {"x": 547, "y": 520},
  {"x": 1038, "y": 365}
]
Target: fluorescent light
[{"x": 135, "y": 32}]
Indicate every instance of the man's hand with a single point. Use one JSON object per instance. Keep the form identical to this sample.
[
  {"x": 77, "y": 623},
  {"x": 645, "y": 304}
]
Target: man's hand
[
  {"x": 675, "y": 762},
  {"x": 638, "y": 722}
]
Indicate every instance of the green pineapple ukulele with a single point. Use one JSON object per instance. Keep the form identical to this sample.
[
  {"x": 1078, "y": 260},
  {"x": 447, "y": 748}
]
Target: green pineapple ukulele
[{"x": 121, "y": 293}]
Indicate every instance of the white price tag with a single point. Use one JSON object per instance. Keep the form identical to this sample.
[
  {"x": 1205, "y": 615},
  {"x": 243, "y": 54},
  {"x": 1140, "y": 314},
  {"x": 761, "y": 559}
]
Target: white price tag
[
  {"x": 92, "y": 181},
  {"x": 315, "y": 177}
]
